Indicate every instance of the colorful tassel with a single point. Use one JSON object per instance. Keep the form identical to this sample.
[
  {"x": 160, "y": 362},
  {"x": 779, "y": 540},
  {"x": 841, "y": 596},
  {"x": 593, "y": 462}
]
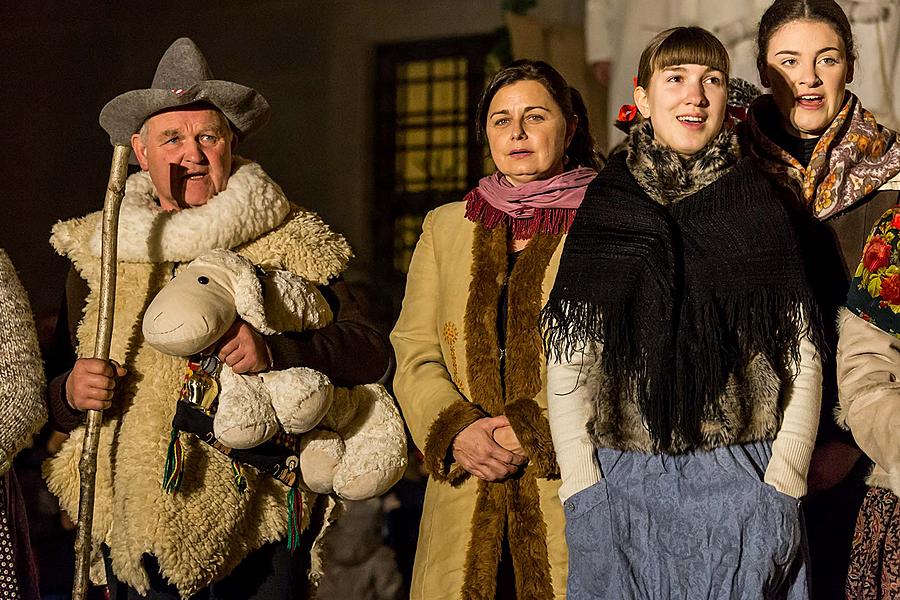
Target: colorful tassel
[
  {"x": 240, "y": 480},
  {"x": 174, "y": 471},
  {"x": 295, "y": 518}
]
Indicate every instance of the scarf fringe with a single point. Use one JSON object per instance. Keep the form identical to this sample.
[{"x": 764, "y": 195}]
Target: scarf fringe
[
  {"x": 545, "y": 220},
  {"x": 676, "y": 388}
]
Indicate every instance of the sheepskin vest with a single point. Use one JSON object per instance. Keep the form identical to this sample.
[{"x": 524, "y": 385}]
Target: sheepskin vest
[{"x": 200, "y": 533}]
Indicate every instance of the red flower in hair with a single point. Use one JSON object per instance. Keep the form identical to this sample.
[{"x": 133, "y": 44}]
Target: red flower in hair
[
  {"x": 877, "y": 254},
  {"x": 890, "y": 289},
  {"x": 627, "y": 113}
]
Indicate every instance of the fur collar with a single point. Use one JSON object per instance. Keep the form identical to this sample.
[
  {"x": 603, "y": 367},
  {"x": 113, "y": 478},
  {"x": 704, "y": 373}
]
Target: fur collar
[
  {"x": 249, "y": 206},
  {"x": 668, "y": 178}
]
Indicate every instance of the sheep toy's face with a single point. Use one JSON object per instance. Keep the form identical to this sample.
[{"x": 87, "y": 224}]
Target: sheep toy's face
[{"x": 192, "y": 312}]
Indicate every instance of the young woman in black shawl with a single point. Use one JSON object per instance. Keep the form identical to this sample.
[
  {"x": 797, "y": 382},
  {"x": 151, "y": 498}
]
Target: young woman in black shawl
[{"x": 684, "y": 383}]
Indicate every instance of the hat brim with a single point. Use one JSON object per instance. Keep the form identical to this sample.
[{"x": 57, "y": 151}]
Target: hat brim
[{"x": 245, "y": 108}]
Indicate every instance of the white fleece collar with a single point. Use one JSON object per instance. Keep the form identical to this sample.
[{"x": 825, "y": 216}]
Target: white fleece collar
[{"x": 250, "y": 205}]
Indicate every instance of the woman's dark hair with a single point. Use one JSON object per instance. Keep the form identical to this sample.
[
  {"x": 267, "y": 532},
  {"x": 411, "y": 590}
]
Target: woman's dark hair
[
  {"x": 682, "y": 46},
  {"x": 783, "y": 12},
  {"x": 581, "y": 151}
]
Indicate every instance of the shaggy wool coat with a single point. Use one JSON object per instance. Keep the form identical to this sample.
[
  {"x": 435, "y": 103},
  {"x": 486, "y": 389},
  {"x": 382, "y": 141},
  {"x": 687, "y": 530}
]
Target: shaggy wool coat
[
  {"x": 199, "y": 534},
  {"x": 448, "y": 376}
]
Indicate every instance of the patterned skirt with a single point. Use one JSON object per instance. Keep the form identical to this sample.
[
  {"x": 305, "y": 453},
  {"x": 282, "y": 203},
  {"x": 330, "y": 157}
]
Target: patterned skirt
[
  {"x": 697, "y": 526},
  {"x": 875, "y": 560}
]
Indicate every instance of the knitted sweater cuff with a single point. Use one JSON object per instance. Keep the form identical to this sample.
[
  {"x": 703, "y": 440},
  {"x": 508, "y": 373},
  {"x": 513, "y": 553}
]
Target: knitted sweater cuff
[
  {"x": 63, "y": 417},
  {"x": 789, "y": 466},
  {"x": 583, "y": 471}
]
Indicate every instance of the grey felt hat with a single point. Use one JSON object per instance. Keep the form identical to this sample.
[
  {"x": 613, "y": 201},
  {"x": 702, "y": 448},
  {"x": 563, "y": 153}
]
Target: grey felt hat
[{"x": 183, "y": 78}]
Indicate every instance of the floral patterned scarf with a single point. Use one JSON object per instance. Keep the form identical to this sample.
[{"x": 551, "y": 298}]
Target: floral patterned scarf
[{"x": 854, "y": 157}]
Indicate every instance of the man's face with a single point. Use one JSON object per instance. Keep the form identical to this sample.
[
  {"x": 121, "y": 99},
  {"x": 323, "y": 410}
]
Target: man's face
[{"x": 188, "y": 155}]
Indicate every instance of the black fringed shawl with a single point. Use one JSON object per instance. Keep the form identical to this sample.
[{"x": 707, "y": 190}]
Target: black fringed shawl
[{"x": 680, "y": 294}]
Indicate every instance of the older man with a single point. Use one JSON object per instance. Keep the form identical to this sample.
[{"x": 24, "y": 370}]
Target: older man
[{"x": 193, "y": 195}]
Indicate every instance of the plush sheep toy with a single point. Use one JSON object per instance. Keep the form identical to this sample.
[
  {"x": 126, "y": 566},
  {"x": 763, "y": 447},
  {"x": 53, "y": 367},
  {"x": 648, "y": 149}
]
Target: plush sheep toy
[{"x": 353, "y": 442}]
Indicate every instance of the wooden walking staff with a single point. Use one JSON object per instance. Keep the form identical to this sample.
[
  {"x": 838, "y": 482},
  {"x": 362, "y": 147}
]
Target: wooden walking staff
[{"x": 115, "y": 189}]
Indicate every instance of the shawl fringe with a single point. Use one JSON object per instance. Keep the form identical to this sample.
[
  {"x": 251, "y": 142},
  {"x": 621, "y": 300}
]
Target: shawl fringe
[
  {"x": 545, "y": 220},
  {"x": 680, "y": 298},
  {"x": 735, "y": 329}
]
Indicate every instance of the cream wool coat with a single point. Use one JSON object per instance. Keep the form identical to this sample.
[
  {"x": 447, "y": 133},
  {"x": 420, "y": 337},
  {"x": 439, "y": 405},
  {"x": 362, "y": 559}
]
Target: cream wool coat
[
  {"x": 204, "y": 530},
  {"x": 433, "y": 375}
]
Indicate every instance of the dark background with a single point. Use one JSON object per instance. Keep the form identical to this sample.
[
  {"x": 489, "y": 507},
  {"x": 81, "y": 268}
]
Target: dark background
[{"x": 313, "y": 60}]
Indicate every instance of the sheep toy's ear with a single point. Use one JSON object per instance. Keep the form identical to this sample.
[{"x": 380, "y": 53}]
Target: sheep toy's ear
[
  {"x": 246, "y": 288},
  {"x": 292, "y": 303}
]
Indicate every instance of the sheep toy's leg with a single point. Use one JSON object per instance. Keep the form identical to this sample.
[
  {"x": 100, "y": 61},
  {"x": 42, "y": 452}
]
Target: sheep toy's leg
[
  {"x": 321, "y": 452},
  {"x": 374, "y": 444},
  {"x": 245, "y": 417},
  {"x": 300, "y": 397}
]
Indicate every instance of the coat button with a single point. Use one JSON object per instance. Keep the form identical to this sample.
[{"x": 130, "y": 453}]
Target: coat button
[{"x": 570, "y": 506}]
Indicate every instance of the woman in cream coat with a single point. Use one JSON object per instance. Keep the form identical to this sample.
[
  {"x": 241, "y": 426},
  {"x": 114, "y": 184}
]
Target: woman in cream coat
[{"x": 470, "y": 370}]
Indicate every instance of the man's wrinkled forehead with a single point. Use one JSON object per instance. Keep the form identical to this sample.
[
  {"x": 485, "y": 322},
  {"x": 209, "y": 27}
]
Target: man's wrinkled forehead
[{"x": 215, "y": 121}]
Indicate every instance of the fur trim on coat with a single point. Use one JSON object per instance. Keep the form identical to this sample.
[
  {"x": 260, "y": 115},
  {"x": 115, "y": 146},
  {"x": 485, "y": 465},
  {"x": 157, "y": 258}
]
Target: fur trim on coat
[
  {"x": 510, "y": 508},
  {"x": 201, "y": 533},
  {"x": 236, "y": 217}
]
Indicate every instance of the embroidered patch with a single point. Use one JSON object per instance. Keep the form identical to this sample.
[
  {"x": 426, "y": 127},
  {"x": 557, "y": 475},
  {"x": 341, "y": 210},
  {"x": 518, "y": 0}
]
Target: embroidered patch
[{"x": 451, "y": 336}]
